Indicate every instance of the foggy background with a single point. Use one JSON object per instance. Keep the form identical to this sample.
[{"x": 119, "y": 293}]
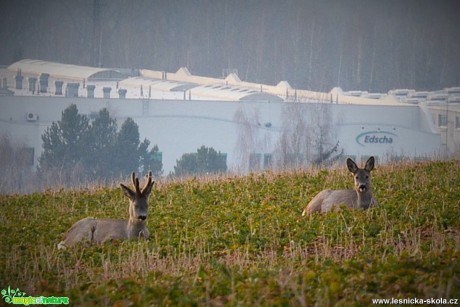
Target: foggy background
[{"x": 357, "y": 44}]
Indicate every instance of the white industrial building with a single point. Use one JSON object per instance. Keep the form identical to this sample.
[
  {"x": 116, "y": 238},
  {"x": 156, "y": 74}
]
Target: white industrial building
[{"x": 180, "y": 112}]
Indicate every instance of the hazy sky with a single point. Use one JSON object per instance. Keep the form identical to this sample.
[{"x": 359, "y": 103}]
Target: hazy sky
[{"x": 356, "y": 44}]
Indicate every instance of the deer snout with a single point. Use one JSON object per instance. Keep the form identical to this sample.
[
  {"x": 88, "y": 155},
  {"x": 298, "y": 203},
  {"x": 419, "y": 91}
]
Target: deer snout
[
  {"x": 142, "y": 217},
  {"x": 362, "y": 188}
]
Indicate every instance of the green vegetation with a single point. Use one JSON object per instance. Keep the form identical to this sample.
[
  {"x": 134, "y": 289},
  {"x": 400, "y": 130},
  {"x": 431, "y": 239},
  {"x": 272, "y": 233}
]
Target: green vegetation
[
  {"x": 242, "y": 241},
  {"x": 76, "y": 149},
  {"x": 205, "y": 161}
]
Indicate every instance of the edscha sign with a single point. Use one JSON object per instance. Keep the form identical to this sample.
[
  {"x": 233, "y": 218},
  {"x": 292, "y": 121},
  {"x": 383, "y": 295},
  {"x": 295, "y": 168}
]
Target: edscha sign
[{"x": 375, "y": 137}]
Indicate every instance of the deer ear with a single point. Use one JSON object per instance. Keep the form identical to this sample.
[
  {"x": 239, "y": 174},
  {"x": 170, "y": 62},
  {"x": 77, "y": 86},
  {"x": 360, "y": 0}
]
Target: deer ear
[
  {"x": 352, "y": 167},
  {"x": 370, "y": 164},
  {"x": 128, "y": 192}
]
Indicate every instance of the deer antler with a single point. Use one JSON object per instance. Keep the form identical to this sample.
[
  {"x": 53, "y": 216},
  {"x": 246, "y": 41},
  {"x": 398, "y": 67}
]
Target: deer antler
[
  {"x": 136, "y": 183},
  {"x": 148, "y": 182}
]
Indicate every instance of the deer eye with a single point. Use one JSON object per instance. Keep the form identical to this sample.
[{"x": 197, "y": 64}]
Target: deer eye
[{"x": 367, "y": 177}]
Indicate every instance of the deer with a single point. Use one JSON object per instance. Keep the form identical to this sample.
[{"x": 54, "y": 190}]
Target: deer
[
  {"x": 358, "y": 198},
  {"x": 100, "y": 231}
]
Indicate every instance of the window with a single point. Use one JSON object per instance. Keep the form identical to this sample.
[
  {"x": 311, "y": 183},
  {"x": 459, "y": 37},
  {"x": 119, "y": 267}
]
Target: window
[
  {"x": 29, "y": 154},
  {"x": 396, "y": 158},
  {"x": 267, "y": 161},
  {"x": 254, "y": 161},
  {"x": 259, "y": 161},
  {"x": 457, "y": 122},
  {"x": 442, "y": 120}
]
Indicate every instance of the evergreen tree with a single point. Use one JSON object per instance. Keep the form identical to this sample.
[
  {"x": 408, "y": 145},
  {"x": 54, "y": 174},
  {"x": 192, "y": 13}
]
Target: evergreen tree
[
  {"x": 75, "y": 150},
  {"x": 155, "y": 162},
  {"x": 64, "y": 146},
  {"x": 150, "y": 160},
  {"x": 101, "y": 137},
  {"x": 126, "y": 153},
  {"x": 204, "y": 161}
]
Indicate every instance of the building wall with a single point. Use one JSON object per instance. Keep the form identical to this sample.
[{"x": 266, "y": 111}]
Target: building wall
[
  {"x": 446, "y": 117},
  {"x": 179, "y": 126}
]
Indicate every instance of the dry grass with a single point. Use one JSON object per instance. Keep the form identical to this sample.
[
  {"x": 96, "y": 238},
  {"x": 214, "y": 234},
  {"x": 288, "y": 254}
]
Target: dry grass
[{"x": 242, "y": 240}]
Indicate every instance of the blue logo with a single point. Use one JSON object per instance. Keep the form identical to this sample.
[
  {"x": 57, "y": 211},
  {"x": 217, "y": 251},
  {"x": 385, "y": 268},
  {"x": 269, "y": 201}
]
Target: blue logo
[{"x": 375, "y": 137}]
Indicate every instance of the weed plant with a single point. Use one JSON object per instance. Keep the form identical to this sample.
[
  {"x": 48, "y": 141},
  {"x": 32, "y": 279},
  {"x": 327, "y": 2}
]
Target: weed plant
[{"x": 242, "y": 241}]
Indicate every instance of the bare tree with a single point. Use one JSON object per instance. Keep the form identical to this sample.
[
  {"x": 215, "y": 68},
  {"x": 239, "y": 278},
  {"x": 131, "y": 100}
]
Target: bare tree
[
  {"x": 292, "y": 149},
  {"x": 16, "y": 162},
  {"x": 251, "y": 139},
  {"x": 323, "y": 127},
  {"x": 307, "y": 137}
]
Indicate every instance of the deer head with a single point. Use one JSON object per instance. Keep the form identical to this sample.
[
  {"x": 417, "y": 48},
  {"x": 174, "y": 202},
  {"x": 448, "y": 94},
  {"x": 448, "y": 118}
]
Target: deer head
[
  {"x": 362, "y": 176},
  {"x": 138, "y": 206}
]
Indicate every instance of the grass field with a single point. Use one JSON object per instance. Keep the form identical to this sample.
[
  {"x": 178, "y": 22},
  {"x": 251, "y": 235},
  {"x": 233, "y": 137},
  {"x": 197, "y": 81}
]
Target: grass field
[{"x": 242, "y": 241}]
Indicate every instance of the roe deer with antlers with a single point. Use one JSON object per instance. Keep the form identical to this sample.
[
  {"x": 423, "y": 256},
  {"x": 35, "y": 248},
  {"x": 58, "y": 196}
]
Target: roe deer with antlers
[
  {"x": 102, "y": 230},
  {"x": 359, "y": 198}
]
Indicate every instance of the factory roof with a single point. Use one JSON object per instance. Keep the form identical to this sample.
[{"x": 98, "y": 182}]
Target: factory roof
[{"x": 64, "y": 71}]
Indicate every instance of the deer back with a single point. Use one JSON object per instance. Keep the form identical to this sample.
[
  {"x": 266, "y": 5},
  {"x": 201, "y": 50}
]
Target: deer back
[
  {"x": 360, "y": 197},
  {"x": 102, "y": 230},
  {"x": 326, "y": 200}
]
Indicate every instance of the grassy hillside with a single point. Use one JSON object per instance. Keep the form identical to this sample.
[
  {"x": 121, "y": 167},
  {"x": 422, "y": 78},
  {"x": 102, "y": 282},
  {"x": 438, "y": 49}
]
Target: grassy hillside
[{"x": 243, "y": 241}]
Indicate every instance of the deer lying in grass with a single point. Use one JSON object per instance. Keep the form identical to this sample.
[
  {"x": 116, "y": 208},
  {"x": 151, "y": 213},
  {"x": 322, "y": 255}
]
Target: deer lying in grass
[
  {"x": 102, "y": 230},
  {"x": 359, "y": 198}
]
